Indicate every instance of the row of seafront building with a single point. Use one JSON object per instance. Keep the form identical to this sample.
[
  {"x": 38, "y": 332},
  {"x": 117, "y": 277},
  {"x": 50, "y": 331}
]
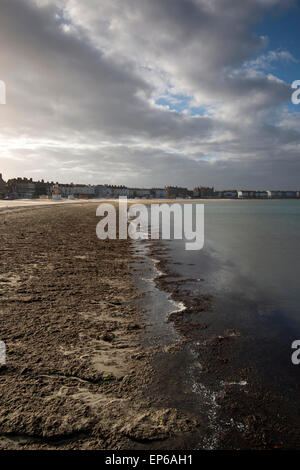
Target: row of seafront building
[{"x": 29, "y": 189}]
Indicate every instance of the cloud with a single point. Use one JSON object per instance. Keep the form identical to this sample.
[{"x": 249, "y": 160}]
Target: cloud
[
  {"x": 85, "y": 82},
  {"x": 266, "y": 61}
]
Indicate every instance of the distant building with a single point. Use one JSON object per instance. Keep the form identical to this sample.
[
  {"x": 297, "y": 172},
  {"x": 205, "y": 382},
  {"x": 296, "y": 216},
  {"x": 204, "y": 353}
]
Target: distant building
[
  {"x": 84, "y": 191},
  {"x": 158, "y": 193},
  {"x": 246, "y": 194},
  {"x": 27, "y": 188},
  {"x": 262, "y": 194},
  {"x": 118, "y": 191},
  {"x": 21, "y": 188},
  {"x": 81, "y": 191},
  {"x": 139, "y": 193},
  {"x": 229, "y": 194},
  {"x": 290, "y": 194},
  {"x": 173, "y": 192},
  {"x": 143, "y": 193},
  {"x": 103, "y": 191},
  {"x": 42, "y": 188},
  {"x": 3, "y": 187},
  {"x": 203, "y": 192},
  {"x": 56, "y": 192},
  {"x": 110, "y": 191},
  {"x": 132, "y": 193}
]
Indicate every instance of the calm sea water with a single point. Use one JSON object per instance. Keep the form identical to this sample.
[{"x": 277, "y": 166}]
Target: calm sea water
[
  {"x": 250, "y": 267},
  {"x": 254, "y": 247},
  {"x": 250, "y": 264}
]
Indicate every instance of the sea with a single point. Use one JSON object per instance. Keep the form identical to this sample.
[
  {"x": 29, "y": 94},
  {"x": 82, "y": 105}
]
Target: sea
[{"x": 249, "y": 267}]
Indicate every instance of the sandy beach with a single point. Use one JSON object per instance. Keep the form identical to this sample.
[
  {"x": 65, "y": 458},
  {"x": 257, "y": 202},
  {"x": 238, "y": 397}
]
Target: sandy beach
[
  {"x": 76, "y": 376},
  {"x": 17, "y": 203}
]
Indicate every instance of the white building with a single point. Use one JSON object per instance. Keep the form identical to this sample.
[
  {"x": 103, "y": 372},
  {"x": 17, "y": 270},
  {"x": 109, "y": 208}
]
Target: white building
[{"x": 246, "y": 194}]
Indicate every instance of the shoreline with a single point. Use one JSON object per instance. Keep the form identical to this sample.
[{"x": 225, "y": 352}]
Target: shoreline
[{"x": 31, "y": 203}]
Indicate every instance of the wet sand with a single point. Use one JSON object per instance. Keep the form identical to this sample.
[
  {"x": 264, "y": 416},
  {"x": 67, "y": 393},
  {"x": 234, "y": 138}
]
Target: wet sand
[{"x": 76, "y": 375}]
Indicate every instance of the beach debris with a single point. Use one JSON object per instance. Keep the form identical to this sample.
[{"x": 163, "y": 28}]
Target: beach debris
[
  {"x": 241, "y": 383},
  {"x": 108, "y": 336},
  {"x": 134, "y": 326},
  {"x": 107, "y": 376}
]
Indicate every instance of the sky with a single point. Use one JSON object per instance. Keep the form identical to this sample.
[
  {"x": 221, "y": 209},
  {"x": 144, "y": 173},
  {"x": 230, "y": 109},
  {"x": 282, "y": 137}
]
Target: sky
[{"x": 151, "y": 92}]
